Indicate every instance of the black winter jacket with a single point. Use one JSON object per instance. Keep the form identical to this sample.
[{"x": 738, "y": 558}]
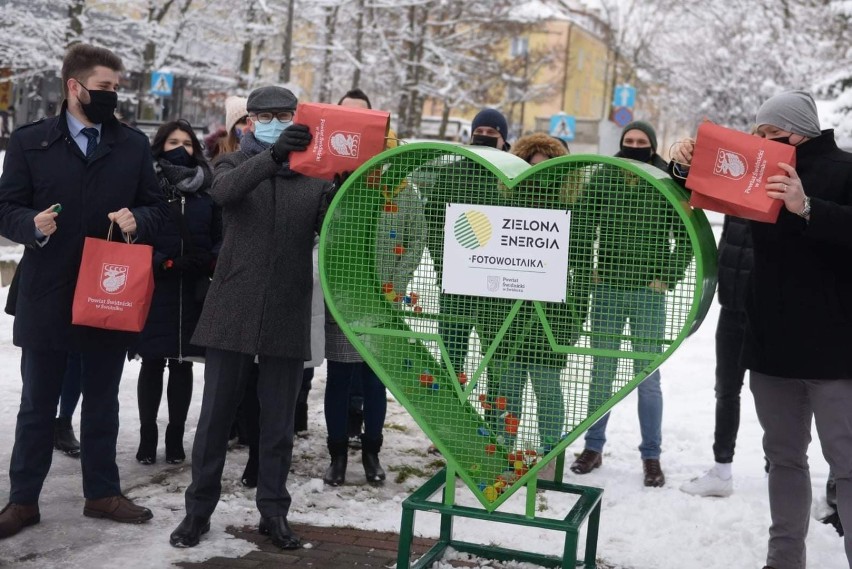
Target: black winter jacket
[
  {"x": 736, "y": 260},
  {"x": 799, "y": 306},
  {"x": 45, "y": 166},
  {"x": 179, "y": 296}
]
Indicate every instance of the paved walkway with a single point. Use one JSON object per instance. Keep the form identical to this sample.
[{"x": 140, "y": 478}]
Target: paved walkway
[{"x": 328, "y": 548}]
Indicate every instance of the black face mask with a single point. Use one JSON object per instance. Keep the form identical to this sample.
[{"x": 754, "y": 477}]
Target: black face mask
[
  {"x": 782, "y": 140},
  {"x": 484, "y": 140},
  {"x": 638, "y": 154},
  {"x": 101, "y": 105},
  {"x": 179, "y": 157}
]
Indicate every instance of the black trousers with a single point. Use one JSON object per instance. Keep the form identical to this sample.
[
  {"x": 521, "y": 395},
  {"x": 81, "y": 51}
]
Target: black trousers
[
  {"x": 278, "y": 383},
  {"x": 42, "y": 372},
  {"x": 730, "y": 374},
  {"x": 149, "y": 390},
  {"x": 248, "y": 412}
]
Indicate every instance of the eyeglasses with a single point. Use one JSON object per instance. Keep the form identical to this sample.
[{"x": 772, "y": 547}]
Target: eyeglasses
[{"x": 266, "y": 118}]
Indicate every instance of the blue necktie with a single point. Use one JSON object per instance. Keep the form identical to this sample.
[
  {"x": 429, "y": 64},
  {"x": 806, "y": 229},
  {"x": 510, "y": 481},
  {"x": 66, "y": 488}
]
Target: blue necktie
[{"x": 92, "y": 134}]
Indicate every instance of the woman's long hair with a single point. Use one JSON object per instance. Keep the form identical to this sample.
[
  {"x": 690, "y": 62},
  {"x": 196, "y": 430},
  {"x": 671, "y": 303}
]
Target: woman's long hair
[{"x": 166, "y": 129}]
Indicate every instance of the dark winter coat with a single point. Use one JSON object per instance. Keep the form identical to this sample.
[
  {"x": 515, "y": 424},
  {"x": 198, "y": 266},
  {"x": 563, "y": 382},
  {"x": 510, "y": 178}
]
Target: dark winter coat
[
  {"x": 260, "y": 298},
  {"x": 799, "y": 306},
  {"x": 633, "y": 225},
  {"x": 44, "y": 166},
  {"x": 736, "y": 259},
  {"x": 179, "y": 296}
]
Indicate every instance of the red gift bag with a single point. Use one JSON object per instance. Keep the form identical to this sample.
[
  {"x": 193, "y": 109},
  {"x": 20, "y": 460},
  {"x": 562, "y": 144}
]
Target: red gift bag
[
  {"x": 729, "y": 170},
  {"x": 343, "y": 138},
  {"x": 114, "y": 286}
]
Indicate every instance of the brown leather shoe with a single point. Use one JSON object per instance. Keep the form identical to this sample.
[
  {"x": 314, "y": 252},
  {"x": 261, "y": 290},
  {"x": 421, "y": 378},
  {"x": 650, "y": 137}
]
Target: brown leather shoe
[
  {"x": 117, "y": 509},
  {"x": 586, "y": 462},
  {"x": 654, "y": 476},
  {"x": 15, "y": 517}
]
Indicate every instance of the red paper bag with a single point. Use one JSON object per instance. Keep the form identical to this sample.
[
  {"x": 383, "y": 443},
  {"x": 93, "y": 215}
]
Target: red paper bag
[
  {"x": 114, "y": 286},
  {"x": 729, "y": 170},
  {"x": 343, "y": 138}
]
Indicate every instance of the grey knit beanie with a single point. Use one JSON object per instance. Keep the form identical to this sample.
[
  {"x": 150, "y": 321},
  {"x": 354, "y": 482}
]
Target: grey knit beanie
[{"x": 793, "y": 111}]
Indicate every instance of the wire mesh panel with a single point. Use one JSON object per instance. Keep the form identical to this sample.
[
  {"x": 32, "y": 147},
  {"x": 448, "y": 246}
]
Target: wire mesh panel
[{"x": 509, "y": 306}]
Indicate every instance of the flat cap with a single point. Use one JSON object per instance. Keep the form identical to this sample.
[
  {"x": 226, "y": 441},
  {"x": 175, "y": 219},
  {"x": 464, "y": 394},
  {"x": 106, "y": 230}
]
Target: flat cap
[{"x": 271, "y": 98}]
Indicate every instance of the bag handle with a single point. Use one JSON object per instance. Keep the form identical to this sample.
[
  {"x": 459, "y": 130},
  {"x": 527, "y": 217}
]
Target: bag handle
[{"x": 126, "y": 236}]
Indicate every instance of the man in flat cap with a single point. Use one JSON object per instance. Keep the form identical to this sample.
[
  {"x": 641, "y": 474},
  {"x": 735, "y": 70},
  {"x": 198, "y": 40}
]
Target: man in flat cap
[{"x": 258, "y": 308}]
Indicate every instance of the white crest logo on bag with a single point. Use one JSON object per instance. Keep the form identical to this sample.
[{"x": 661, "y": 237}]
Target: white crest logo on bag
[
  {"x": 730, "y": 164},
  {"x": 345, "y": 144},
  {"x": 114, "y": 278}
]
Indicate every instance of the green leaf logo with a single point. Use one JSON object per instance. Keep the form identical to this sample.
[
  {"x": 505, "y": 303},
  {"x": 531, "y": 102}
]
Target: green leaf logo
[{"x": 472, "y": 230}]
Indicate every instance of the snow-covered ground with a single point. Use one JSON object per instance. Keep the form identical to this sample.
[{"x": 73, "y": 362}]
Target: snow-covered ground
[{"x": 641, "y": 528}]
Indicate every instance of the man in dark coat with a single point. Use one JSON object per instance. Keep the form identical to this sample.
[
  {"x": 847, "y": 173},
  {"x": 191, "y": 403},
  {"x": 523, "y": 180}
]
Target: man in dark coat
[
  {"x": 799, "y": 323},
  {"x": 258, "y": 306},
  {"x": 100, "y": 171}
]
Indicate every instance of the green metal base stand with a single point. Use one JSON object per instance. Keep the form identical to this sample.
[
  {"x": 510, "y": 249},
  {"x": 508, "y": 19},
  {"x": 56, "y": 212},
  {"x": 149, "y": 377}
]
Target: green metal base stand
[{"x": 587, "y": 506}]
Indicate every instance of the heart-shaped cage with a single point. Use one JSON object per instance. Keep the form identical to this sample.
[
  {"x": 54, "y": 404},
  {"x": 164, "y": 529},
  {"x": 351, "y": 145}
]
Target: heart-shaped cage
[{"x": 505, "y": 353}]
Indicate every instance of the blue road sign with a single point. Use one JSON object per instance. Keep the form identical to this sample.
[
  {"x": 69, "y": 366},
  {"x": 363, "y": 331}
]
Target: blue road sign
[
  {"x": 563, "y": 126},
  {"x": 162, "y": 83},
  {"x": 622, "y": 116},
  {"x": 624, "y": 96}
]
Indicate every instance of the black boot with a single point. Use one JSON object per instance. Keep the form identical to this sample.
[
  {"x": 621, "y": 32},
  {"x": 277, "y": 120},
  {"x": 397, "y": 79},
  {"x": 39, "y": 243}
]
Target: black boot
[
  {"x": 249, "y": 477},
  {"x": 189, "y": 532},
  {"x": 335, "y": 475},
  {"x": 174, "y": 444},
  {"x": 370, "y": 458},
  {"x": 63, "y": 437},
  {"x": 279, "y": 532},
  {"x": 147, "y": 452}
]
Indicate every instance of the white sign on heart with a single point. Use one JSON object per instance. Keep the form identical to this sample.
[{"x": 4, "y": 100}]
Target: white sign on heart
[{"x": 506, "y": 252}]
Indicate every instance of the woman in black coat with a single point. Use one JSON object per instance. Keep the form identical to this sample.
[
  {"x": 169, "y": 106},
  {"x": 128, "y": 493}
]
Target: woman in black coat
[{"x": 184, "y": 256}]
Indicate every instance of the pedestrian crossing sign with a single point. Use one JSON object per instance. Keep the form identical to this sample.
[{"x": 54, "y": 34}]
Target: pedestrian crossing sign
[
  {"x": 563, "y": 126},
  {"x": 161, "y": 83}
]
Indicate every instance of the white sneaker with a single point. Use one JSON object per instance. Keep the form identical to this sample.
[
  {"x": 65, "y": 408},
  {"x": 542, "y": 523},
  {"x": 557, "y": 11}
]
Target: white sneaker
[{"x": 709, "y": 485}]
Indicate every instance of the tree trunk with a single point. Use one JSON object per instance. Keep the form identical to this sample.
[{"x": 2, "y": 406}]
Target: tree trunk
[
  {"x": 75, "y": 26},
  {"x": 411, "y": 103},
  {"x": 445, "y": 118},
  {"x": 287, "y": 48},
  {"x": 359, "y": 36},
  {"x": 324, "y": 94}
]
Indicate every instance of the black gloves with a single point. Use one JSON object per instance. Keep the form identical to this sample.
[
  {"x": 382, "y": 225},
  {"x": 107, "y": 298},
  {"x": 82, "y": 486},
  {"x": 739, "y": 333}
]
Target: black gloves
[
  {"x": 341, "y": 177},
  {"x": 197, "y": 263},
  {"x": 295, "y": 138}
]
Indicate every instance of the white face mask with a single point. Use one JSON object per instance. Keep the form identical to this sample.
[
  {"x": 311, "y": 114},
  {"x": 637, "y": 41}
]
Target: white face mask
[{"x": 270, "y": 131}]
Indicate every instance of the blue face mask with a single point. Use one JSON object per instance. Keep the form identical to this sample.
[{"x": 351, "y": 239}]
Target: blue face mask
[{"x": 270, "y": 131}]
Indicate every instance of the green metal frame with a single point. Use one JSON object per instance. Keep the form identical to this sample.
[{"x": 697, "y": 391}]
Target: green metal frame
[
  {"x": 586, "y": 508},
  {"x": 370, "y": 324}
]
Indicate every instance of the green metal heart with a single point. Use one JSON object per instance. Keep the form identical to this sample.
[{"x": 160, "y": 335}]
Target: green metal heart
[{"x": 380, "y": 260}]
